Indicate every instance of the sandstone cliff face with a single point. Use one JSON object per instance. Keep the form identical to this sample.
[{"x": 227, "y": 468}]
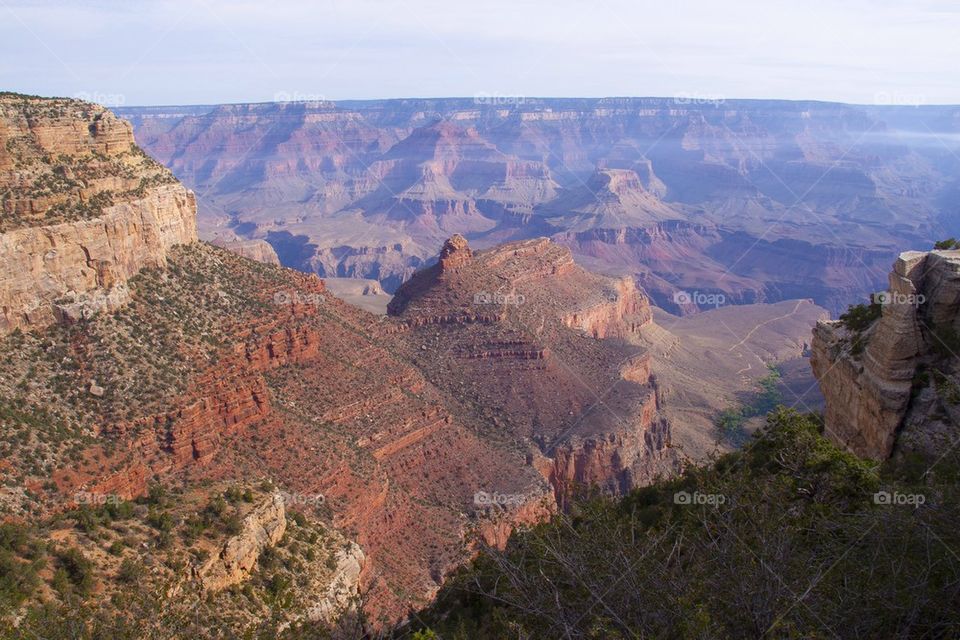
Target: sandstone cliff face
[
  {"x": 259, "y": 250},
  {"x": 624, "y": 312},
  {"x": 84, "y": 210},
  {"x": 343, "y": 589},
  {"x": 871, "y": 389},
  {"x": 634, "y": 455},
  {"x": 71, "y": 270},
  {"x": 261, "y": 528}
]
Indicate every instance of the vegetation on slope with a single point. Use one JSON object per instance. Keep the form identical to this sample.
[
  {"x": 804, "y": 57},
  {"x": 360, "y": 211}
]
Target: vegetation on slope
[
  {"x": 140, "y": 357},
  {"x": 790, "y": 537},
  {"x": 731, "y": 422},
  {"x": 119, "y": 570}
]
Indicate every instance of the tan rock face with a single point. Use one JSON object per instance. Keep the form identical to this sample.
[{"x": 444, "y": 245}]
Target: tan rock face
[
  {"x": 868, "y": 395},
  {"x": 90, "y": 259},
  {"x": 259, "y": 250},
  {"x": 262, "y": 527},
  {"x": 88, "y": 211},
  {"x": 624, "y": 312},
  {"x": 343, "y": 590}
]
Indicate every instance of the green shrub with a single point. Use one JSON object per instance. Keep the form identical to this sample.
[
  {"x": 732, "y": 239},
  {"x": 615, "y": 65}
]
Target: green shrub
[
  {"x": 130, "y": 571},
  {"x": 860, "y": 317},
  {"x": 78, "y": 569}
]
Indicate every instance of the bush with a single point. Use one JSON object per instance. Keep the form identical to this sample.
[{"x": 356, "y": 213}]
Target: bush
[
  {"x": 78, "y": 569},
  {"x": 947, "y": 245},
  {"x": 860, "y": 317},
  {"x": 18, "y": 579},
  {"x": 130, "y": 571},
  {"x": 233, "y": 525},
  {"x": 789, "y": 514},
  {"x": 160, "y": 520}
]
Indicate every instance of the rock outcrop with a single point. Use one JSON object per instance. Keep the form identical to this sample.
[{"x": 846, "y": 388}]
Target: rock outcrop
[
  {"x": 343, "y": 589},
  {"x": 261, "y": 528},
  {"x": 874, "y": 376},
  {"x": 84, "y": 210},
  {"x": 259, "y": 250},
  {"x": 605, "y": 318}
]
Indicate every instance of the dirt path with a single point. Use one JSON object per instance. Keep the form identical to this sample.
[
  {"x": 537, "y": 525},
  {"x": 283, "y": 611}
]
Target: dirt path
[{"x": 766, "y": 322}]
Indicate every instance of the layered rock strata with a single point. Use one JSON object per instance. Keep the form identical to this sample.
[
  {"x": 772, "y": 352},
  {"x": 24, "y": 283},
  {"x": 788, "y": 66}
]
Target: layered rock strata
[
  {"x": 83, "y": 211},
  {"x": 871, "y": 377}
]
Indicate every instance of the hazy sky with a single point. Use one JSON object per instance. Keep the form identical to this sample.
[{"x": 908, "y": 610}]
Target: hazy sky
[{"x": 137, "y": 52}]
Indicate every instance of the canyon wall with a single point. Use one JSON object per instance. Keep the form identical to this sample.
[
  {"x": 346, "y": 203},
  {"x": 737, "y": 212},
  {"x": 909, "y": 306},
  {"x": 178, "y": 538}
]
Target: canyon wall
[{"x": 83, "y": 211}]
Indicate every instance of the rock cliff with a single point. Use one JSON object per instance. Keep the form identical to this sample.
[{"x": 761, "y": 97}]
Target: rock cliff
[
  {"x": 261, "y": 528},
  {"x": 342, "y": 592},
  {"x": 259, "y": 250},
  {"x": 83, "y": 211},
  {"x": 891, "y": 365}
]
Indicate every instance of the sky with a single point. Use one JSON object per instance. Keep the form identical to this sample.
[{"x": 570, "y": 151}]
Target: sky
[{"x": 162, "y": 52}]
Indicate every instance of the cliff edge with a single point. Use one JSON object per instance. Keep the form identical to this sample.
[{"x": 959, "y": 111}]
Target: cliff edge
[
  {"x": 83, "y": 210},
  {"x": 888, "y": 371}
]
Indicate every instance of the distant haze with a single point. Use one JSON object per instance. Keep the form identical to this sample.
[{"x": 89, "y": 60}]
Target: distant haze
[{"x": 214, "y": 51}]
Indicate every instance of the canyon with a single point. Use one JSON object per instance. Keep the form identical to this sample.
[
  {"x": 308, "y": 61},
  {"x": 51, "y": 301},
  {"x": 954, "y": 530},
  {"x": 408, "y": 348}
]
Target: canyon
[
  {"x": 761, "y": 201},
  {"x": 500, "y": 382},
  {"x": 256, "y": 420}
]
